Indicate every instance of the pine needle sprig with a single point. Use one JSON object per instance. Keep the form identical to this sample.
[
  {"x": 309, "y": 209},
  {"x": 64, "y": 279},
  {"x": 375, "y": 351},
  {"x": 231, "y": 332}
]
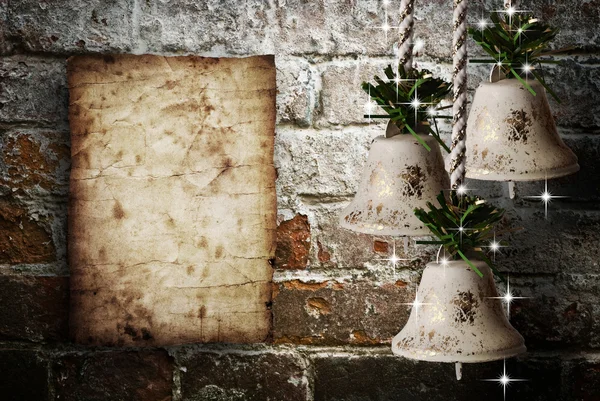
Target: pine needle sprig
[
  {"x": 464, "y": 225},
  {"x": 408, "y": 96},
  {"x": 516, "y": 43}
]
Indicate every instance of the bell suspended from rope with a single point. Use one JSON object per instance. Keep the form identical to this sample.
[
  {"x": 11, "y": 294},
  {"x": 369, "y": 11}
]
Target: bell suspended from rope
[
  {"x": 457, "y": 317},
  {"x": 511, "y": 135},
  {"x": 399, "y": 176}
]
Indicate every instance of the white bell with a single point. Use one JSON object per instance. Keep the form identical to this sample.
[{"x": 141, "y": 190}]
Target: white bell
[
  {"x": 511, "y": 135},
  {"x": 457, "y": 317},
  {"x": 400, "y": 175}
]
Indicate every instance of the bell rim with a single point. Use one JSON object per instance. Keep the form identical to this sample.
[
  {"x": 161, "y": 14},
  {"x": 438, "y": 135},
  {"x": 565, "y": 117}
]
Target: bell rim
[
  {"x": 475, "y": 358},
  {"x": 524, "y": 177}
]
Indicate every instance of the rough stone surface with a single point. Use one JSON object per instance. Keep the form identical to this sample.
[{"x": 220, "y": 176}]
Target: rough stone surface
[
  {"x": 293, "y": 243},
  {"x": 23, "y": 375},
  {"x": 113, "y": 375},
  {"x": 91, "y": 25},
  {"x": 352, "y": 377},
  {"x": 331, "y": 312},
  {"x": 343, "y": 100},
  {"x": 296, "y": 91},
  {"x": 33, "y": 89},
  {"x": 34, "y": 308},
  {"x": 242, "y": 375}
]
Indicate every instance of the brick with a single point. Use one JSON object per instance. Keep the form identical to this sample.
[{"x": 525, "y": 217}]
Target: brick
[
  {"x": 342, "y": 98},
  {"x": 33, "y": 90},
  {"x": 293, "y": 243},
  {"x": 558, "y": 312},
  {"x": 341, "y": 28},
  {"x": 35, "y": 162},
  {"x": 575, "y": 81},
  {"x": 226, "y": 28},
  {"x": 115, "y": 375},
  {"x": 86, "y": 26},
  {"x": 585, "y": 380},
  {"x": 332, "y": 312},
  {"x": 565, "y": 242},
  {"x": 315, "y": 163},
  {"x": 351, "y": 250},
  {"x": 260, "y": 374},
  {"x": 365, "y": 376},
  {"x": 296, "y": 91},
  {"x": 23, "y": 238},
  {"x": 5, "y": 45},
  {"x": 23, "y": 376},
  {"x": 34, "y": 308},
  {"x": 577, "y": 21}
]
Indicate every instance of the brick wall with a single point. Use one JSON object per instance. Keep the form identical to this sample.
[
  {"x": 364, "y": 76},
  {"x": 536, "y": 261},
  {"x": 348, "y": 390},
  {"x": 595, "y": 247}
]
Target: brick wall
[{"x": 336, "y": 303}]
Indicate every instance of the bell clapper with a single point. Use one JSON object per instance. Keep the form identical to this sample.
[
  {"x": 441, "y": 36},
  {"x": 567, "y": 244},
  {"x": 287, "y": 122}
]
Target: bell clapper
[
  {"x": 511, "y": 189},
  {"x": 458, "y": 366}
]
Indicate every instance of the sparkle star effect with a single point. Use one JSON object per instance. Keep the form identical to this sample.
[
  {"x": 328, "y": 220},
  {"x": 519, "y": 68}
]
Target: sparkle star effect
[
  {"x": 482, "y": 24},
  {"x": 394, "y": 258},
  {"x": 461, "y": 229},
  {"x": 416, "y": 304},
  {"x": 510, "y": 11},
  {"x": 508, "y": 297},
  {"x": 504, "y": 380},
  {"x": 546, "y": 197},
  {"x": 495, "y": 246}
]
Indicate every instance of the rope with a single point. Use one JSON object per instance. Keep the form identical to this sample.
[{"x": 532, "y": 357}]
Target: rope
[
  {"x": 405, "y": 43},
  {"x": 459, "y": 123}
]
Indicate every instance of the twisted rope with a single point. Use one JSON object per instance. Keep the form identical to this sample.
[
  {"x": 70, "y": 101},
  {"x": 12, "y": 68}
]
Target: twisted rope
[
  {"x": 459, "y": 123},
  {"x": 405, "y": 41}
]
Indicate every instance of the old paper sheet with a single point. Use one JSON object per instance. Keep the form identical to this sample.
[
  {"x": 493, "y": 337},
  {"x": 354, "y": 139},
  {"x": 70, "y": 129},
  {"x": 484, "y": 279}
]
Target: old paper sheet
[{"x": 172, "y": 206}]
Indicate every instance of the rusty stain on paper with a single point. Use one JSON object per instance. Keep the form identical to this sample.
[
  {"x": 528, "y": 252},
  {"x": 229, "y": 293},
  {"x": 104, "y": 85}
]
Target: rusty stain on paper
[{"x": 172, "y": 212}]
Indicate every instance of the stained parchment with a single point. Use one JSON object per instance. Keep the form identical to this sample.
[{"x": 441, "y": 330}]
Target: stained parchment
[{"x": 172, "y": 199}]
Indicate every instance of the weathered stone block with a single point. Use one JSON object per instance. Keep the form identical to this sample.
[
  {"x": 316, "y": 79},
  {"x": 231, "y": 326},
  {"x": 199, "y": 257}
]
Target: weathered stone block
[
  {"x": 115, "y": 375},
  {"x": 208, "y": 28},
  {"x": 365, "y": 376},
  {"x": 585, "y": 380},
  {"x": 296, "y": 91},
  {"x": 565, "y": 242},
  {"x": 24, "y": 238},
  {"x": 343, "y": 100},
  {"x": 33, "y": 90},
  {"x": 85, "y": 26},
  {"x": 576, "y": 81},
  {"x": 339, "y": 28},
  {"x": 261, "y": 374},
  {"x": 342, "y": 97},
  {"x": 559, "y": 311},
  {"x": 320, "y": 163},
  {"x": 34, "y": 308},
  {"x": 23, "y": 376},
  {"x": 336, "y": 312},
  {"x": 35, "y": 162},
  {"x": 5, "y": 45}
]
